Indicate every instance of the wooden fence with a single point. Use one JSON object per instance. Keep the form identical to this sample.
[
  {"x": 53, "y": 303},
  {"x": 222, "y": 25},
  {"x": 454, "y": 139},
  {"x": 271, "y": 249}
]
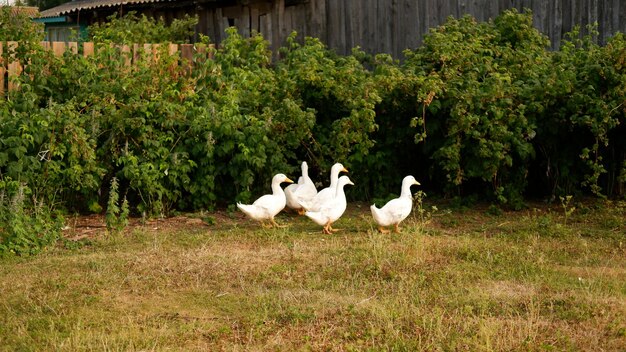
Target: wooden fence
[
  {"x": 391, "y": 26},
  {"x": 9, "y": 69}
]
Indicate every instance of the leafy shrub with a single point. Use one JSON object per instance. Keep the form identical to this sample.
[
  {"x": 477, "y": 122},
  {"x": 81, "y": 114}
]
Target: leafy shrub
[
  {"x": 26, "y": 227},
  {"x": 483, "y": 121},
  {"x": 130, "y": 29},
  {"x": 244, "y": 130},
  {"x": 341, "y": 93},
  {"x": 582, "y": 132},
  {"x": 481, "y": 109},
  {"x": 17, "y": 26},
  {"x": 406, "y": 91}
]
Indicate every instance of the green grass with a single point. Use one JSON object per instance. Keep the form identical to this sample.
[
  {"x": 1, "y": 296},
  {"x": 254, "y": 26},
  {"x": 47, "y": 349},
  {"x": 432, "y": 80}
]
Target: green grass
[{"x": 460, "y": 280}]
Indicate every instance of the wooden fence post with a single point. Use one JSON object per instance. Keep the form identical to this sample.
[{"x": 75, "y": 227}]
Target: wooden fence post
[
  {"x": 126, "y": 55},
  {"x": 2, "y": 71},
  {"x": 211, "y": 51},
  {"x": 14, "y": 67},
  {"x": 156, "y": 52},
  {"x": 172, "y": 49},
  {"x": 58, "y": 48},
  {"x": 136, "y": 53},
  {"x": 147, "y": 48},
  {"x": 11, "y": 67},
  {"x": 186, "y": 56},
  {"x": 202, "y": 51},
  {"x": 88, "y": 49},
  {"x": 73, "y": 46}
]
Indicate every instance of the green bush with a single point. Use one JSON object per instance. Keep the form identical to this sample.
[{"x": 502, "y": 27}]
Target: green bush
[
  {"x": 582, "y": 130},
  {"x": 342, "y": 95},
  {"x": 26, "y": 227},
  {"x": 481, "y": 109},
  {"x": 132, "y": 29},
  {"x": 482, "y": 123}
]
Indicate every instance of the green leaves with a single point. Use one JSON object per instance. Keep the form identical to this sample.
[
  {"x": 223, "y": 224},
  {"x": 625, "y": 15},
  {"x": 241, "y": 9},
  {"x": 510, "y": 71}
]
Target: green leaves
[
  {"x": 131, "y": 29},
  {"x": 26, "y": 226},
  {"x": 484, "y": 67},
  {"x": 480, "y": 108}
]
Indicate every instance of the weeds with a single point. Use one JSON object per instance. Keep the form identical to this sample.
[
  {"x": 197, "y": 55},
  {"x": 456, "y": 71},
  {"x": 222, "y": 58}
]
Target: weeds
[
  {"x": 116, "y": 216},
  {"x": 26, "y": 226},
  {"x": 424, "y": 215},
  {"x": 567, "y": 210}
]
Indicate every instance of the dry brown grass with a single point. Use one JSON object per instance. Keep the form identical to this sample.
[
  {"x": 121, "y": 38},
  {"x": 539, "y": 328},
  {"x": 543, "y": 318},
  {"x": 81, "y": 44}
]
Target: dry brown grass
[{"x": 463, "y": 280}]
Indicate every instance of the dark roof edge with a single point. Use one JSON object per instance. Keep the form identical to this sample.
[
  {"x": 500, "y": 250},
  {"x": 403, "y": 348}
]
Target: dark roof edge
[{"x": 74, "y": 6}]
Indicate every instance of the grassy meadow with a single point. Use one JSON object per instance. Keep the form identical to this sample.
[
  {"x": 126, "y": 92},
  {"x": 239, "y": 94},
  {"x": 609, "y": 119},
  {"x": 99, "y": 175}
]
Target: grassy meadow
[{"x": 457, "y": 278}]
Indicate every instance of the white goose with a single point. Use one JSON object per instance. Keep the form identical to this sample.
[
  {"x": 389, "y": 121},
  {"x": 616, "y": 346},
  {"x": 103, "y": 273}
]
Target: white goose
[
  {"x": 326, "y": 194},
  {"x": 396, "y": 209},
  {"x": 305, "y": 189},
  {"x": 267, "y": 206},
  {"x": 332, "y": 210}
]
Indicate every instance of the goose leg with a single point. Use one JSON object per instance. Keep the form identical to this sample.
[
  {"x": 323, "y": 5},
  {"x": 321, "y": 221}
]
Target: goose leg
[
  {"x": 327, "y": 229},
  {"x": 396, "y": 228},
  {"x": 382, "y": 230},
  {"x": 301, "y": 211},
  {"x": 276, "y": 224}
]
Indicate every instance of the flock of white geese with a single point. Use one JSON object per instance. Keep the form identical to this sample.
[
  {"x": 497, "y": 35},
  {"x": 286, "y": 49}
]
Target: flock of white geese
[{"x": 328, "y": 205}]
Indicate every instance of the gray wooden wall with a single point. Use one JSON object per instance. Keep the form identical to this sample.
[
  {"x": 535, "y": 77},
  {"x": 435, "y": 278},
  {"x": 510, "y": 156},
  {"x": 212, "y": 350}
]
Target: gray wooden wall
[{"x": 391, "y": 26}]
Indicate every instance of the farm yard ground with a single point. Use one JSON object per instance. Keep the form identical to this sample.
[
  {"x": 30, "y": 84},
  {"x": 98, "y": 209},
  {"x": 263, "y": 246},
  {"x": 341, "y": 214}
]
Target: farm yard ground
[{"x": 456, "y": 278}]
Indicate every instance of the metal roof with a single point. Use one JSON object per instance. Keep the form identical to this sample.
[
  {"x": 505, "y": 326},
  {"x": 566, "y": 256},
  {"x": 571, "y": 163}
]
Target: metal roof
[
  {"x": 74, "y": 6},
  {"x": 29, "y": 11}
]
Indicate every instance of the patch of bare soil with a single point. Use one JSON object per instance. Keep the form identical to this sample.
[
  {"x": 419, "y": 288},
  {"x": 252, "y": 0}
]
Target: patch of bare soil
[{"x": 91, "y": 226}]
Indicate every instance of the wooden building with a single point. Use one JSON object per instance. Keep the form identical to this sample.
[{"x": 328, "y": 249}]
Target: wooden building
[{"x": 375, "y": 25}]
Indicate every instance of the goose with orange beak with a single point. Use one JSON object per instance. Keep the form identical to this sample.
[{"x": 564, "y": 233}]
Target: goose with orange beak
[
  {"x": 396, "y": 209},
  {"x": 266, "y": 207}
]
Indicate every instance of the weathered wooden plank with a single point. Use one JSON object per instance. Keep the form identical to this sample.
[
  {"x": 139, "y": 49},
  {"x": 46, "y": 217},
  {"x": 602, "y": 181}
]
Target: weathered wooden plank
[
  {"x": 332, "y": 24},
  {"x": 602, "y": 20},
  {"x": 136, "y": 52},
  {"x": 186, "y": 52},
  {"x": 172, "y": 48},
  {"x": 222, "y": 23},
  {"x": 280, "y": 24},
  {"x": 14, "y": 67},
  {"x": 244, "y": 22},
  {"x": 318, "y": 15},
  {"x": 2, "y": 71},
  {"x": 426, "y": 17},
  {"x": 410, "y": 28},
  {"x": 385, "y": 26},
  {"x": 254, "y": 18},
  {"x": 214, "y": 26},
  {"x": 126, "y": 55},
  {"x": 73, "y": 47},
  {"x": 616, "y": 9},
  {"x": 352, "y": 17},
  {"x": 265, "y": 23},
  {"x": 302, "y": 20},
  {"x": 621, "y": 17},
  {"x": 577, "y": 11},
  {"x": 88, "y": 49},
  {"x": 147, "y": 49},
  {"x": 289, "y": 20},
  {"x": 557, "y": 24},
  {"x": 58, "y": 48},
  {"x": 201, "y": 50}
]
